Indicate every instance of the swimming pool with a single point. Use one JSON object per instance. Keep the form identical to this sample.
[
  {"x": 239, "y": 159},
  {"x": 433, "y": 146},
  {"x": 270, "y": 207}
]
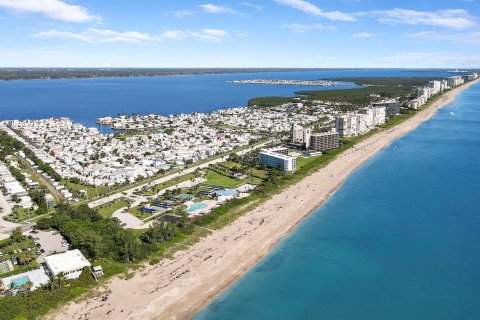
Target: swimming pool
[
  {"x": 19, "y": 282},
  {"x": 196, "y": 206}
]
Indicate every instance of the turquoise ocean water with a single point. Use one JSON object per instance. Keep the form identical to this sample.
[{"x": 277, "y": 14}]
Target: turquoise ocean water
[{"x": 399, "y": 240}]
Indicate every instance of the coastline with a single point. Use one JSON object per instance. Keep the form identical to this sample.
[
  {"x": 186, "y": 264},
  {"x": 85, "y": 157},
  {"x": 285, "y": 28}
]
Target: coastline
[{"x": 178, "y": 288}]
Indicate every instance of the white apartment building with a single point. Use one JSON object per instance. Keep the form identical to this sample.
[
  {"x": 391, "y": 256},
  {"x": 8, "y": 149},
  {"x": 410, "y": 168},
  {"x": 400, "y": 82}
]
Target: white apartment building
[
  {"x": 277, "y": 158},
  {"x": 301, "y": 135},
  {"x": 435, "y": 86},
  {"x": 350, "y": 125},
  {"x": 392, "y": 106},
  {"x": 375, "y": 115},
  {"x": 454, "y": 81}
]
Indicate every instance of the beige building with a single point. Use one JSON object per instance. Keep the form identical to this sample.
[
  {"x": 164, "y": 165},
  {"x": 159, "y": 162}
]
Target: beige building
[{"x": 325, "y": 141}]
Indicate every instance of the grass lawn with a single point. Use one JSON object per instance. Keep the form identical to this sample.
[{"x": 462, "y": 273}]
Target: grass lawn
[
  {"x": 230, "y": 164},
  {"x": 305, "y": 160},
  {"x": 259, "y": 173},
  {"x": 20, "y": 214},
  {"x": 217, "y": 179},
  {"x": 107, "y": 211},
  {"x": 135, "y": 211},
  {"x": 167, "y": 184}
]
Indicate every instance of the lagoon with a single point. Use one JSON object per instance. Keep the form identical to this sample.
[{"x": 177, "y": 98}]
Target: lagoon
[{"x": 85, "y": 100}]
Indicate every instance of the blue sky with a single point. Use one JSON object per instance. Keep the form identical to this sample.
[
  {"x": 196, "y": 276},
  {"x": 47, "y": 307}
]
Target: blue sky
[{"x": 253, "y": 33}]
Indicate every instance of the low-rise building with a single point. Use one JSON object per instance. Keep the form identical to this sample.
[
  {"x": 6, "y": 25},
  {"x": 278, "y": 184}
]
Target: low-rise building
[{"x": 69, "y": 263}]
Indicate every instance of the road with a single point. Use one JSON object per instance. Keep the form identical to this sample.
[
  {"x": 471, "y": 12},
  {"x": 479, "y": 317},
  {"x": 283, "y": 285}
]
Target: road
[
  {"x": 129, "y": 192},
  {"x": 42, "y": 179},
  {"x": 133, "y": 222},
  {"x": 6, "y": 227}
]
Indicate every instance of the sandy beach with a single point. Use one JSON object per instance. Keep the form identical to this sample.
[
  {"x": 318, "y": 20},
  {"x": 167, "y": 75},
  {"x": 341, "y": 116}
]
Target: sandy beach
[{"x": 180, "y": 287}]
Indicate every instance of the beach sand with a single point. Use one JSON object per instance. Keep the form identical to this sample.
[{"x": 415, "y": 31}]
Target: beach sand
[{"x": 180, "y": 287}]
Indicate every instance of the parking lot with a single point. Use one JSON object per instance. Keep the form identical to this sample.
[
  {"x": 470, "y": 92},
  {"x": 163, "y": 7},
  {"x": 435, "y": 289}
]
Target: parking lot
[{"x": 50, "y": 242}]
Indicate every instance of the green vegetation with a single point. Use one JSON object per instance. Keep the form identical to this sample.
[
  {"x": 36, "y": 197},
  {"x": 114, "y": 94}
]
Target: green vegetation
[
  {"x": 108, "y": 210},
  {"x": 267, "y": 102},
  {"x": 150, "y": 191},
  {"x": 386, "y": 81},
  {"x": 32, "y": 305},
  {"x": 135, "y": 211},
  {"x": 22, "y": 249},
  {"x": 217, "y": 179},
  {"x": 385, "y": 87},
  {"x": 82, "y": 191},
  {"x": 277, "y": 181},
  {"x": 116, "y": 249},
  {"x": 10, "y": 145}
]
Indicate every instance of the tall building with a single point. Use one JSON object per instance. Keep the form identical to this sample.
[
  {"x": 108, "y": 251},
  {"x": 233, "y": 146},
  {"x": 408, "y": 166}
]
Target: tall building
[
  {"x": 454, "y": 81},
  {"x": 435, "y": 86},
  {"x": 349, "y": 125},
  {"x": 301, "y": 136},
  {"x": 375, "y": 115},
  {"x": 276, "y": 158},
  {"x": 392, "y": 106},
  {"x": 325, "y": 141}
]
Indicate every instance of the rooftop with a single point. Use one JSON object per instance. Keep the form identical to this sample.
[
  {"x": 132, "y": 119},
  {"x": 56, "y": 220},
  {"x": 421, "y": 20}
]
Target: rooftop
[{"x": 67, "y": 262}]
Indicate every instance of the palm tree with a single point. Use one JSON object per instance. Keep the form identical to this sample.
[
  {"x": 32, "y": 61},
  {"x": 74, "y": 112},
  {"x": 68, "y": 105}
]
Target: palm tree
[{"x": 57, "y": 282}]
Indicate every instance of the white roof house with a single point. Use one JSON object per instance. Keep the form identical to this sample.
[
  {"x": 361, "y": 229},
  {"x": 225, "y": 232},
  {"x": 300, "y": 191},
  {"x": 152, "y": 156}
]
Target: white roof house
[{"x": 70, "y": 263}]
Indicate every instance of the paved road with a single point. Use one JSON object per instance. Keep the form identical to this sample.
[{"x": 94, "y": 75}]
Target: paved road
[
  {"x": 133, "y": 222},
  {"x": 42, "y": 180},
  {"x": 6, "y": 227},
  {"x": 129, "y": 192}
]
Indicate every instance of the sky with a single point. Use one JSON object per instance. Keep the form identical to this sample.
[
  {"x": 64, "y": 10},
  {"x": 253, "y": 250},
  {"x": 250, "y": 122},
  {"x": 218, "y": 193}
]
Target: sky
[{"x": 238, "y": 34}]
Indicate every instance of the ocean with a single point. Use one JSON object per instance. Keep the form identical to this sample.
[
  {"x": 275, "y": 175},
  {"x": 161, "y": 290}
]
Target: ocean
[
  {"x": 85, "y": 100},
  {"x": 399, "y": 240}
]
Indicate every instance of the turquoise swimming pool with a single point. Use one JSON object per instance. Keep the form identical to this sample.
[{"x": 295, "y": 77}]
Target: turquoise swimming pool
[
  {"x": 196, "y": 206},
  {"x": 19, "y": 282}
]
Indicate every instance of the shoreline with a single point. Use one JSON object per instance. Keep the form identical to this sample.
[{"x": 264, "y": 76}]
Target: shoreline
[{"x": 181, "y": 287}]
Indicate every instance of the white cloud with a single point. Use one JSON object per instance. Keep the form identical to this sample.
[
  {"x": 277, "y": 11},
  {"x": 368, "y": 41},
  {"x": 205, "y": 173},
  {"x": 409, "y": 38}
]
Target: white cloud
[
  {"x": 312, "y": 9},
  {"x": 210, "y": 35},
  {"x": 183, "y": 13},
  {"x": 215, "y": 9},
  {"x": 363, "y": 35},
  {"x": 98, "y": 36},
  {"x": 251, "y": 5},
  {"x": 472, "y": 38},
  {"x": 93, "y": 35},
  {"x": 54, "y": 9},
  {"x": 303, "y": 28},
  {"x": 448, "y": 18}
]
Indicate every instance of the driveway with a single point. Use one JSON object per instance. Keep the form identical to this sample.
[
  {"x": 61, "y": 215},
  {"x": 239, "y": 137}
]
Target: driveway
[
  {"x": 6, "y": 227},
  {"x": 130, "y": 220}
]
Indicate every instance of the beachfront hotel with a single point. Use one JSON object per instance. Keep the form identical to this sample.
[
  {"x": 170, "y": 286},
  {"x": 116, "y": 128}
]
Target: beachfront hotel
[{"x": 277, "y": 158}]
